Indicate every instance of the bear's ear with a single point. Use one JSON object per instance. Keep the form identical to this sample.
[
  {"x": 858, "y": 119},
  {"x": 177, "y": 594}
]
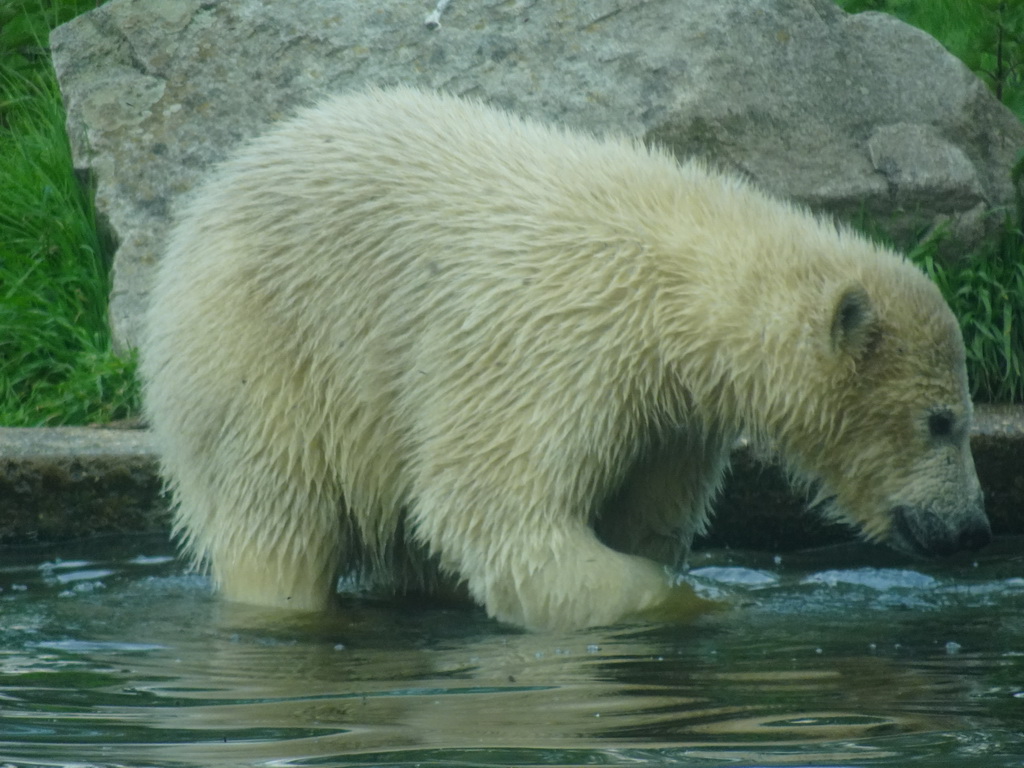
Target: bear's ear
[{"x": 853, "y": 322}]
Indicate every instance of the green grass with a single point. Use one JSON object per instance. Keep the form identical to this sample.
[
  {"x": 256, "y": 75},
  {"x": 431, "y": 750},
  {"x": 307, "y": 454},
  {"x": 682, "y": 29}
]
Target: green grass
[
  {"x": 57, "y": 364},
  {"x": 986, "y": 293}
]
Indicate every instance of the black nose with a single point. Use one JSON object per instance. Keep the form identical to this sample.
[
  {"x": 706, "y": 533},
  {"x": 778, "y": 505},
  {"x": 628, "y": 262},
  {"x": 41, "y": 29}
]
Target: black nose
[
  {"x": 975, "y": 535},
  {"x": 923, "y": 532}
]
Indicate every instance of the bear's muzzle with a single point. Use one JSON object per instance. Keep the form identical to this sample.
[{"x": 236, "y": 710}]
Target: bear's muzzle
[{"x": 924, "y": 532}]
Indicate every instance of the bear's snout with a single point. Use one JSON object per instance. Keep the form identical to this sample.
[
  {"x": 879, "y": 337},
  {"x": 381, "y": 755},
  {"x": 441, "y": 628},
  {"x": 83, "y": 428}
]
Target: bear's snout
[{"x": 924, "y": 532}]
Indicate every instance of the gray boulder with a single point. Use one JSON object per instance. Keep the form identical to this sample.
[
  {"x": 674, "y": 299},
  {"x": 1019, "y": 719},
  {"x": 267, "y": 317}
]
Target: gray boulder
[{"x": 854, "y": 115}]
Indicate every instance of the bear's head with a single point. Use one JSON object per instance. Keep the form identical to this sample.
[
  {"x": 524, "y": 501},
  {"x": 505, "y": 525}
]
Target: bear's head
[{"x": 896, "y": 460}]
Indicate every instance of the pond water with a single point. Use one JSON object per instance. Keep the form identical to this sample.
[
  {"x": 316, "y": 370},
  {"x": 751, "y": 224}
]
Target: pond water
[{"x": 111, "y": 654}]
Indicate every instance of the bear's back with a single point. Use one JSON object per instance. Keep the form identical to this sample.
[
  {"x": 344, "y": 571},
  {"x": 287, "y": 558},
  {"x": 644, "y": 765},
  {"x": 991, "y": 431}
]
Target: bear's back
[{"x": 438, "y": 167}]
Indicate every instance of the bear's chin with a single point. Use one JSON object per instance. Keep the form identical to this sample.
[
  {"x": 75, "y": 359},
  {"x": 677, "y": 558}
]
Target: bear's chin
[{"x": 924, "y": 533}]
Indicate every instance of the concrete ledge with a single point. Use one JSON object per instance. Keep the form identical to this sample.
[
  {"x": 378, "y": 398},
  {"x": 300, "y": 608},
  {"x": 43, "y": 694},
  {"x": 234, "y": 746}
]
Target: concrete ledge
[
  {"x": 75, "y": 482},
  {"x": 72, "y": 482}
]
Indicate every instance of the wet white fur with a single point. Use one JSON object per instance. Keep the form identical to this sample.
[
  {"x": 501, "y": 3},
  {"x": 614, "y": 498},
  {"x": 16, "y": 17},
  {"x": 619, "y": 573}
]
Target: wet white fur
[{"x": 401, "y": 303}]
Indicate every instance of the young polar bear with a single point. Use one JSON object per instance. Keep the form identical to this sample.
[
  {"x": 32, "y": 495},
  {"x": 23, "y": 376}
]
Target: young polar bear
[{"x": 403, "y": 332}]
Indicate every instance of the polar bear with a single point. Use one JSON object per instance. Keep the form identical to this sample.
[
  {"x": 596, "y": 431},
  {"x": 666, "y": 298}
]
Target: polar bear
[{"x": 405, "y": 333}]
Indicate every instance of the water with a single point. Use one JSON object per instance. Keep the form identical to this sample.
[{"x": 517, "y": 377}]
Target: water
[{"x": 113, "y": 655}]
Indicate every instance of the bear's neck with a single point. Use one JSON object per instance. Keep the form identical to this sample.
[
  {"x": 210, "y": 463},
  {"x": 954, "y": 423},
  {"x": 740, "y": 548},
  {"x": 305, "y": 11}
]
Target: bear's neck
[{"x": 743, "y": 311}]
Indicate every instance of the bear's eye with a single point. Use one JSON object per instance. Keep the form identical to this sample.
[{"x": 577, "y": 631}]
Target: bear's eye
[{"x": 941, "y": 423}]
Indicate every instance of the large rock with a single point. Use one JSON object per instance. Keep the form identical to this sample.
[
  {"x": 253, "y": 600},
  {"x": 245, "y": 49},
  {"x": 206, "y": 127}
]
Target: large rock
[{"x": 851, "y": 114}]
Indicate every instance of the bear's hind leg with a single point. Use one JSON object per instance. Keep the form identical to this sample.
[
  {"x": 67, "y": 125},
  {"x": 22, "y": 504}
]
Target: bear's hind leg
[
  {"x": 298, "y": 575},
  {"x": 267, "y": 544}
]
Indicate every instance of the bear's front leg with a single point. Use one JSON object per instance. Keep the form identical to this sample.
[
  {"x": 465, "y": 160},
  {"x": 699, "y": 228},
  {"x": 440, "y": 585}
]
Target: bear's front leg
[
  {"x": 563, "y": 578},
  {"x": 571, "y": 581}
]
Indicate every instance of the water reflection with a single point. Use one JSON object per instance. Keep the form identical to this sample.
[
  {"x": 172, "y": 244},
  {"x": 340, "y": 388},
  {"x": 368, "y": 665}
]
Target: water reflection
[{"x": 816, "y": 662}]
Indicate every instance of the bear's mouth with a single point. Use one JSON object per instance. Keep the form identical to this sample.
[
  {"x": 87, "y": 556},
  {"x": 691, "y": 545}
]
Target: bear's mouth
[{"x": 924, "y": 533}]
